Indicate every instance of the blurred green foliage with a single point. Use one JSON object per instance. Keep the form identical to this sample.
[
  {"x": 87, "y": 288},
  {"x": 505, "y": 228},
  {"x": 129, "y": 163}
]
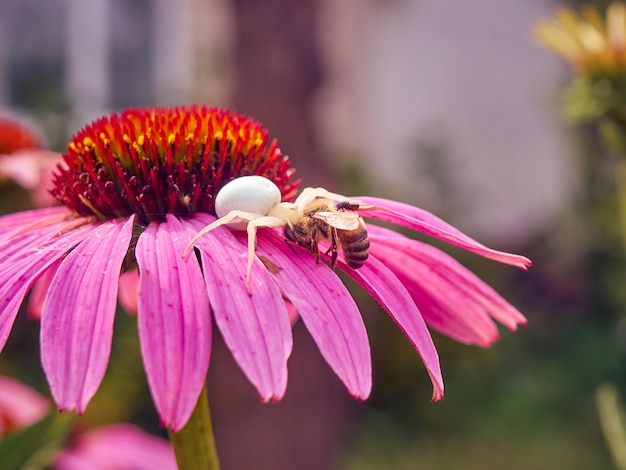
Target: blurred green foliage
[{"x": 33, "y": 448}]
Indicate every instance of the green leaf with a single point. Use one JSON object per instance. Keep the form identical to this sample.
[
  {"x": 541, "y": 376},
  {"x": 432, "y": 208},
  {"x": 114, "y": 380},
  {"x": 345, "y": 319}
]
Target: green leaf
[{"x": 34, "y": 447}]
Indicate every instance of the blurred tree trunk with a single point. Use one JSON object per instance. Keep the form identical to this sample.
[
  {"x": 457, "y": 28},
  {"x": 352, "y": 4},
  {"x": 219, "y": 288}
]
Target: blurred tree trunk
[{"x": 277, "y": 73}]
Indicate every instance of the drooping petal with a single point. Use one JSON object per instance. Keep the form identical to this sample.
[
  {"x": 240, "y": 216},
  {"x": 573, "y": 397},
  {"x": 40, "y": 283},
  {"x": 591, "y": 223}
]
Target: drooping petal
[
  {"x": 385, "y": 287},
  {"x": 425, "y": 222},
  {"x": 174, "y": 320},
  {"x": 117, "y": 447},
  {"x": 255, "y": 325},
  {"x": 476, "y": 329},
  {"x": 24, "y": 259},
  {"x": 452, "y": 299},
  {"x": 465, "y": 327},
  {"x": 78, "y": 313},
  {"x": 327, "y": 309},
  {"x": 20, "y": 406}
]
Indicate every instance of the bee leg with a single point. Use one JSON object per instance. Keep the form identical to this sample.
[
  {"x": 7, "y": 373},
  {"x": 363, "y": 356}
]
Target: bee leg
[
  {"x": 315, "y": 250},
  {"x": 313, "y": 244},
  {"x": 333, "y": 248}
]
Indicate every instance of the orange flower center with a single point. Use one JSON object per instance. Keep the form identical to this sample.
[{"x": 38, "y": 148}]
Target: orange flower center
[{"x": 156, "y": 161}]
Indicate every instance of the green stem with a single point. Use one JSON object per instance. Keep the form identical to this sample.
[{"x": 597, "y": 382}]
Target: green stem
[{"x": 194, "y": 445}]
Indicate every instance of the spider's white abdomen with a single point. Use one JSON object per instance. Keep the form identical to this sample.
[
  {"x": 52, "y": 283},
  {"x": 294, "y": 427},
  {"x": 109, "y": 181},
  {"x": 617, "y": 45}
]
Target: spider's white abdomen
[{"x": 253, "y": 194}]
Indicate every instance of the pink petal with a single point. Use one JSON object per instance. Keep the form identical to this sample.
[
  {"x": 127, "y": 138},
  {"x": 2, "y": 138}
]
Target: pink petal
[
  {"x": 174, "y": 321},
  {"x": 10, "y": 224},
  {"x": 129, "y": 290},
  {"x": 255, "y": 327},
  {"x": 425, "y": 222},
  {"x": 451, "y": 298},
  {"x": 389, "y": 292},
  {"x": 23, "y": 259},
  {"x": 77, "y": 317},
  {"x": 20, "y": 406},
  {"x": 327, "y": 309},
  {"x": 453, "y": 320},
  {"x": 292, "y": 313},
  {"x": 117, "y": 447},
  {"x": 15, "y": 248}
]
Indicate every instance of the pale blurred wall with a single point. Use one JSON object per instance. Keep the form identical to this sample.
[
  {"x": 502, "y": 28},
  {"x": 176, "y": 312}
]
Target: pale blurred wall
[
  {"x": 412, "y": 80},
  {"x": 411, "y": 87},
  {"x": 96, "y": 56}
]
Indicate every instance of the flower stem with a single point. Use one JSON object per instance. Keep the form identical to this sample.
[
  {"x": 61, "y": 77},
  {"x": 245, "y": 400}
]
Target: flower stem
[{"x": 194, "y": 445}]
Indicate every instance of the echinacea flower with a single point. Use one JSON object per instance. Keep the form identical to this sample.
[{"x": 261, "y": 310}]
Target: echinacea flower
[
  {"x": 137, "y": 187},
  {"x": 24, "y": 161}
]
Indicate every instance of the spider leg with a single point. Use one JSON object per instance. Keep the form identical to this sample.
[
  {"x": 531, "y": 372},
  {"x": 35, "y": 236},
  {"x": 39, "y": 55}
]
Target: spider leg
[
  {"x": 261, "y": 221},
  {"x": 231, "y": 217}
]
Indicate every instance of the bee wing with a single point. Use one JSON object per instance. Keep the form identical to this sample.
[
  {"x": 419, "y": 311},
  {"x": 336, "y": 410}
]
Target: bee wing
[{"x": 340, "y": 220}]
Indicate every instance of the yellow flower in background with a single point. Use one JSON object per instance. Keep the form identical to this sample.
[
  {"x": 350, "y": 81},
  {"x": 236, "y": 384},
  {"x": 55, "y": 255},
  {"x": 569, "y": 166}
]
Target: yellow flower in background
[
  {"x": 592, "y": 44},
  {"x": 596, "y": 48},
  {"x": 595, "y": 45}
]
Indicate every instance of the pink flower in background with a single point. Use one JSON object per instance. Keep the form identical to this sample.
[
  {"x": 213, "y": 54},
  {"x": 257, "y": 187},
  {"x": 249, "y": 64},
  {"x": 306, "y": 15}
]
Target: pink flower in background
[
  {"x": 117, "y": 447},
  {"x": 137, "y": 187},
  {"x": 20, "y": 406},
  {"x": 23, "y": 160}
]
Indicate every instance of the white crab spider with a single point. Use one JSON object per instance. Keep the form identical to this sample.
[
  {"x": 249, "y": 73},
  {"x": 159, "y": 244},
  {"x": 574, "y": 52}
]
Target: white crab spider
[{"x": 250, "y": 202}]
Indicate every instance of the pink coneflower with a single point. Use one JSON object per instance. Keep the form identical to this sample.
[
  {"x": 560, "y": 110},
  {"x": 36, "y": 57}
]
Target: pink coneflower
[
  {"x": 137, "y": 187},
  {"x": 24, "y": 161},
  {"x": 116, "y": 447}
]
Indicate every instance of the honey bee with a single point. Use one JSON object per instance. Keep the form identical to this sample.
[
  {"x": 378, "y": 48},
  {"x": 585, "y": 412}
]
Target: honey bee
[{"x": 338, "y": 223}]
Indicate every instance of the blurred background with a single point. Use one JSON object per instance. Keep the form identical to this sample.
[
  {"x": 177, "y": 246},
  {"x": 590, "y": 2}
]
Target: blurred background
[{"x": 444, "y": 104}]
